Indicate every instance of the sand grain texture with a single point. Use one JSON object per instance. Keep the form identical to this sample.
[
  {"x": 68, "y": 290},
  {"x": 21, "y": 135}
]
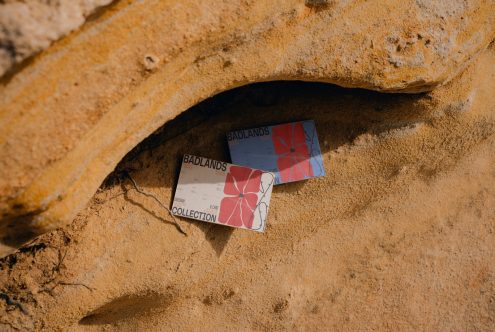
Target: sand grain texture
[
  {"x": 70, "y": 115},
  {"x": 399, "y": 235}
]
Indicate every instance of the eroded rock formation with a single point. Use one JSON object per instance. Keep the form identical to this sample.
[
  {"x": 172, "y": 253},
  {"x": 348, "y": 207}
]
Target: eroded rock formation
[
  {"x": 399, "y": 234},
  {"x": 27, "y": 27},
  {"x": 70, "y": 116}
]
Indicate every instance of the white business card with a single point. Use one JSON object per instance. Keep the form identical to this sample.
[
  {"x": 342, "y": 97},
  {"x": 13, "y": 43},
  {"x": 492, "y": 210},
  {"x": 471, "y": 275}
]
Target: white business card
[{"x": 222, "y": 193}]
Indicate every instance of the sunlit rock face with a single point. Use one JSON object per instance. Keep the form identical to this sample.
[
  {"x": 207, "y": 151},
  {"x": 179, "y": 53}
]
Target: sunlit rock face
[
  {"x": 70, "y": 114},
  {"x": 398, "y": 234},
  {"x": 28, "y": 27}
]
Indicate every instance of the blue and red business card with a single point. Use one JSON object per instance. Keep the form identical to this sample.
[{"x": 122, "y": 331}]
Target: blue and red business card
[{"x": 291, "y": 151}]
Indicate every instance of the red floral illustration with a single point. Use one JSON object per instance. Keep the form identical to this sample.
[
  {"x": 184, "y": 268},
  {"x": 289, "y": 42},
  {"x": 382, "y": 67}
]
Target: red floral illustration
[
  {"x": 293, "y": 153},
  {"x": 242, "y": 185}
]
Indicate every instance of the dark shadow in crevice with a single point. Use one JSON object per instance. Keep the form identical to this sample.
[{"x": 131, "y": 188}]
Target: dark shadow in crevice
[{"x": 267, "y": 97}]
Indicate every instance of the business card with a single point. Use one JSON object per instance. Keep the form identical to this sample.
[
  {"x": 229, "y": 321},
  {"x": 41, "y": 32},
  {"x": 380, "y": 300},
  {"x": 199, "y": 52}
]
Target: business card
[
  {"x": 291, "y": 151},
  {"x": 222, "y": 193}
]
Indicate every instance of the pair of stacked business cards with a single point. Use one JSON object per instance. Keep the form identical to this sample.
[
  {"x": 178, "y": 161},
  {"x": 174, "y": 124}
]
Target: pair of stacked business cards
[{"x": 238, "y": 194}]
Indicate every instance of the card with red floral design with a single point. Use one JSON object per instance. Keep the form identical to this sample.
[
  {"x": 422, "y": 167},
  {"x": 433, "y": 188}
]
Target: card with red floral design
[
  {"x": 291, "y": 150},
  {"x": 222, "y": 193}
]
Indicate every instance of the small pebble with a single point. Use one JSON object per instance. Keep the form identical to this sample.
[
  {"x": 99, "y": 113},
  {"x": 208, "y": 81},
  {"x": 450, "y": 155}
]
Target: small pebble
[{"x": 151, "y": 62}]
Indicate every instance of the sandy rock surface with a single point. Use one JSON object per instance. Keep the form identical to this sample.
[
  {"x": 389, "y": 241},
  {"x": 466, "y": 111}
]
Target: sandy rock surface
[
  {"x": 73, "y": 112},
  {"x": 28, "y": 27},
  {"x": 398, "y": 236}
]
